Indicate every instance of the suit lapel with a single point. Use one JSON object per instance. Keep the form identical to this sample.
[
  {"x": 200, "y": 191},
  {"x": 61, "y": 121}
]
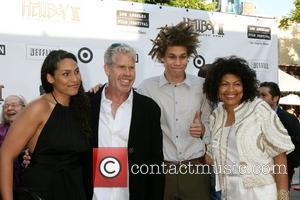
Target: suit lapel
[
  {"x": 95, "y": 105},
  {"x": 134, "y": 123},
  {"x": 279, "y": 111}
]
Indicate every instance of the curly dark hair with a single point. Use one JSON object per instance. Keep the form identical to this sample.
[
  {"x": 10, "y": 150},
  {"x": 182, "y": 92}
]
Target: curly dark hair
[
  {"x": 79, "y": 102},
  {"x": 182, "y": 34},
  {"x": 230, "y": 65}
]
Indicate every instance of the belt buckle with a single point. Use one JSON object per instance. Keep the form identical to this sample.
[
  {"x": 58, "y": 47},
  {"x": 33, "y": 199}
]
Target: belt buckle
[{"x": 184, "y": 162}]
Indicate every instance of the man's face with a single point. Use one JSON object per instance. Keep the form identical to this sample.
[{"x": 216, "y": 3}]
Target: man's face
[
  {"x": 264, "y": 94},
  {"x": 11, "y": 107},
  {"x": 121, "y": 74},
  {"x": 175, "y": 61}
]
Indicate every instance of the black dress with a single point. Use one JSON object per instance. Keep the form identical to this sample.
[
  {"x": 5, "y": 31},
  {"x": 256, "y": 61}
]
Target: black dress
[{"x": 56, "y": 168}]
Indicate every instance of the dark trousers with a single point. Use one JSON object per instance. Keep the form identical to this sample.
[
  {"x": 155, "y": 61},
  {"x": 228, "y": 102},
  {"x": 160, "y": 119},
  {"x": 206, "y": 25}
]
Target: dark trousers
[
  {"x": 214, "y": 195},
  {"x": 180, "y": 186}
]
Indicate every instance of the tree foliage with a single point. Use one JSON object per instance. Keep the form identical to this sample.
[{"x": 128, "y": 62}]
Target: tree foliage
[
  {"x": 293, "y": 17},
  {"x": 194, "y": 4},
  {"x": 289, "y": 47}
]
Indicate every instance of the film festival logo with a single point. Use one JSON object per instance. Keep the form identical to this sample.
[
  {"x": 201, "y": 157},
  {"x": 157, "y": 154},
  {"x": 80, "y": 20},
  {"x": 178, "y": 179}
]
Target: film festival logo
[
  {"x": 1, "y": 87},
  {"x": 2, "y": 49},
  {"x": 259, "y": 65},
  {"x": 39, "y": 52},
  {"x": 200, "y": 64},
  {"x": 206, "y": 27},
  {"x": 136, "y": 58},
  {"x": 85, "y": 55},
  {"x": 130, "y": 18},
  {"x": 259, "y": 32},
  {"x": 198, "y": 61},
  {"x": 47, "y": 10}
]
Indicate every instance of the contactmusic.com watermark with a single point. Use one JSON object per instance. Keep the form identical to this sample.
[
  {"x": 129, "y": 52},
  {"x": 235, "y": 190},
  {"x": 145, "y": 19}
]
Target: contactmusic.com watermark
[
  {"x": 207, "y": 169},
  {"x": 111, "y": 168}
]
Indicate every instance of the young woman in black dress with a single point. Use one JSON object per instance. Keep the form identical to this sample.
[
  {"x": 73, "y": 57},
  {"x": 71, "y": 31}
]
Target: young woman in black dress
[{"x": 55, "y": 129}]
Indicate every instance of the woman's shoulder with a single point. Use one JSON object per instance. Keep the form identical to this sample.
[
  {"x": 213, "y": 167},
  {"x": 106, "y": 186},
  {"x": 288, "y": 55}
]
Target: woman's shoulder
[
  {"x": 261, "y": 109},
  {"x": 261, "y": 106},
  {"x": 256, "y": 105},
  {"x": 40, "y": 105}
]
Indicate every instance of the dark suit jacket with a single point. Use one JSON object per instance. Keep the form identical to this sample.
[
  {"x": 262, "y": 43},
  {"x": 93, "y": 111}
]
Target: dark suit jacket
[
  {"x": 144, "y": 145},
  {"x": 292, "y": 125}
]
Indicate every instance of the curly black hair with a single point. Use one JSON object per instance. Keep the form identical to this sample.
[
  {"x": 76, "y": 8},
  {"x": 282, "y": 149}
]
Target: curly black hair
[
  {"x": 79, "y": 102},
  {"x": 230, "y": 65},
  {"x": 182, "y": 34}
]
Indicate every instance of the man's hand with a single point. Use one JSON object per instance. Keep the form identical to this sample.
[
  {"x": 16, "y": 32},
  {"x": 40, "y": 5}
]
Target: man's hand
[
  {"x": 208, "y": 160},
  {"x": 26, "y": 158},
  {"x": 197, "y": 129},
  {"x": 95, "y": 89}
]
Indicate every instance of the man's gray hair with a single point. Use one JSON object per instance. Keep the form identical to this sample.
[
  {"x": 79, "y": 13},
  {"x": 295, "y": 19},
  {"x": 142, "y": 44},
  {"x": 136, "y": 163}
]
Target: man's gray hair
[
  {"x": 22, "y": 102},
  {"x": 116, "y": 48}
]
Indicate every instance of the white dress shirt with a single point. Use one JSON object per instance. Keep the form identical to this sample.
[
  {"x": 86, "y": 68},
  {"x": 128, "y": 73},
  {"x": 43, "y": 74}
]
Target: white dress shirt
[
  {"x": 113, "y": 133},
  {"x": 178, "y": 104}
]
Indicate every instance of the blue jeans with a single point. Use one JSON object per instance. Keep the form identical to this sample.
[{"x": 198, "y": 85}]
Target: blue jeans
[{"x": 214, "y": 195}]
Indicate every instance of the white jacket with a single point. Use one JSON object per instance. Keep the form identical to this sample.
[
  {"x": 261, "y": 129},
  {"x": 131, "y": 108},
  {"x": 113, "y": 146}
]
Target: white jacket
[{"x": 260, "y": 136}]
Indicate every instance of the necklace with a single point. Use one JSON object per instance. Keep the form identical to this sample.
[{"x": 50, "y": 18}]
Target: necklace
[
  {"x": 57, "y": 101},
  {"x": 223, "y": 163},
  {"x": 54, "y": 97}
]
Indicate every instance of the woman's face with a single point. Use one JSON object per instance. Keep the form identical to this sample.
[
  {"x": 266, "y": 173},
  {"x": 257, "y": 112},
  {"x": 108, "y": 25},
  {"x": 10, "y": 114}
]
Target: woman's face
[
  {"x": 66, "y": 79},
  {"x": 230, "y": 90}
]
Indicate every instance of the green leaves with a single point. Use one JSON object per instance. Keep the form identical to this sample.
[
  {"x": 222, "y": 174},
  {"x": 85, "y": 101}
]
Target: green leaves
[
  {"x": 193, "y": 4},
  {"x": 293, "y": 17}
]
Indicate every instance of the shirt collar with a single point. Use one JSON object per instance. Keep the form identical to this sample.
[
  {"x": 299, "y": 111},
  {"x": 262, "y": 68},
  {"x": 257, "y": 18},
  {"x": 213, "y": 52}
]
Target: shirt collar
[
  {"x": 105, "y": 99},
  {"x": 163, "y": 81}
]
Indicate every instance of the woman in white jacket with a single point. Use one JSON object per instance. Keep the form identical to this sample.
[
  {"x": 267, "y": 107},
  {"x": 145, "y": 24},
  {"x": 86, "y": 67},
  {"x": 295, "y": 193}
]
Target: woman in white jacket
[{"x": 249, "y": 143}]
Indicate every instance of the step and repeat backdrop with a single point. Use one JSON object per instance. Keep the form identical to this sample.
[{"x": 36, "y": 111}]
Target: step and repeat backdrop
[{"x": 30, "y": 29}]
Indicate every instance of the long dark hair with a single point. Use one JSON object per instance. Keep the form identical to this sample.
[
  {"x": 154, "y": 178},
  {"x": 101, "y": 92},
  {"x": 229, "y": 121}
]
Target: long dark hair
[{"x": 78, "y": 102}]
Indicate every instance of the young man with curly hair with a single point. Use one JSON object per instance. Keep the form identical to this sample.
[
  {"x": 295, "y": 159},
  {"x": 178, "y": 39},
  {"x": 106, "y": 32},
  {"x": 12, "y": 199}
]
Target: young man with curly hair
[{"x": 183, "y": 109}]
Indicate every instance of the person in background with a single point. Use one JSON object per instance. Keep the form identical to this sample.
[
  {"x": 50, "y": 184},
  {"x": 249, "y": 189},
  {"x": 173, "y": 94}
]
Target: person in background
[
  {"x": 249, "y": 143},
  {"x": 12, "y": 106},
  {"x": 55, "y": 129},
  {"x": 184, "y": 107},
  {"x": 121, "y": 117},
  {"x": 292, "y": 111},
  {"x": 270, "y": 92}
]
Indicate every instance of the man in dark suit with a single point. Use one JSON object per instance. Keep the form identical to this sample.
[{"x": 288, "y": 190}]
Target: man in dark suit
[
  {"x": 123, "y": 118},
  {"x": 270, "y": 92}
]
